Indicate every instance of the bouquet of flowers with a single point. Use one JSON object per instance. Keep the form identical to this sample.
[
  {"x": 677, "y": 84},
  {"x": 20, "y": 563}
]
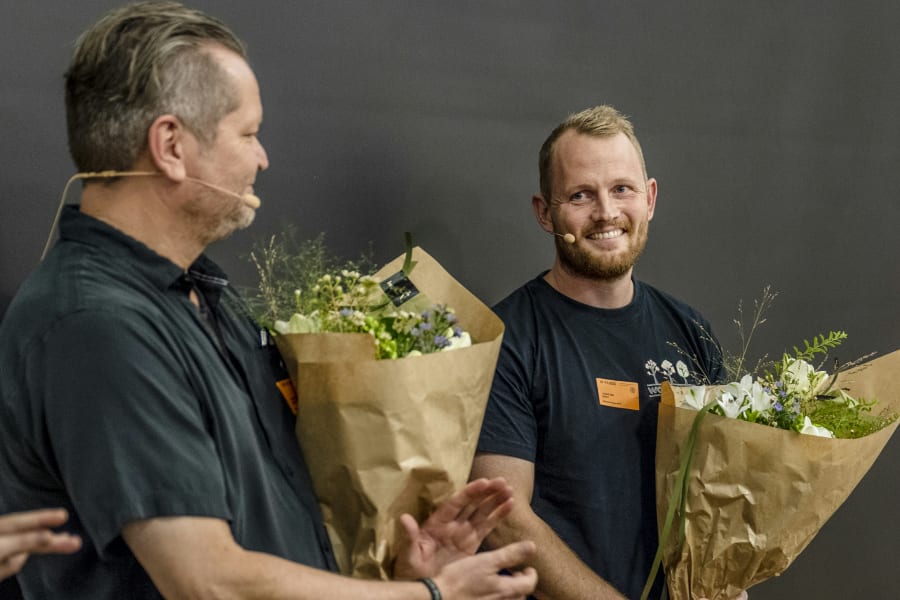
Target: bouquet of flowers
[
  {"x": 794, "y": 396},
  {"x": 741, "y": 491},
  {"x": 390, "y": 391}
]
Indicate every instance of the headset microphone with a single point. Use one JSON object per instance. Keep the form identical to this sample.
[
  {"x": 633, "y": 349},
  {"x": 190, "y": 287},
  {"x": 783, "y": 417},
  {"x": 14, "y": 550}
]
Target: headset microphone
[
  {"x": 250, "y": 200},
  {"x": 568, "y": 237}
]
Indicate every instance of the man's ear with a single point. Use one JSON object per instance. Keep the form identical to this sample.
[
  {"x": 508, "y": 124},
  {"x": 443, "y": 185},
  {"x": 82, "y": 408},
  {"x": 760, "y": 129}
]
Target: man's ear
[
  {"x": 541, "y": 208},
  {"x": 166, "y": 139},
  {"x": 652, "y": 189}
]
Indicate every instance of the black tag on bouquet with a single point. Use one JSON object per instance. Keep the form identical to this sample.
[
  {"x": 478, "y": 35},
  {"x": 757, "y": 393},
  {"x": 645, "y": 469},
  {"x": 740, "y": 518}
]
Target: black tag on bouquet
[{"x": 399, "y": 288}]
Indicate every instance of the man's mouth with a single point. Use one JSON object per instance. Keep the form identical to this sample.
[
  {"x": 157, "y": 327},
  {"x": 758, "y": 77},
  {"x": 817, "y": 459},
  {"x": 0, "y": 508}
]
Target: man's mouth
[{"x": 606, "y": 235}]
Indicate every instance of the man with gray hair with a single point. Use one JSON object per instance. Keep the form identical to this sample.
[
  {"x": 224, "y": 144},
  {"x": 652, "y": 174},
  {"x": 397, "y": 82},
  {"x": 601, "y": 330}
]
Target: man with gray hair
[
  {"x": 136, "y": 393},
  {"x": 571, "y": 420}
]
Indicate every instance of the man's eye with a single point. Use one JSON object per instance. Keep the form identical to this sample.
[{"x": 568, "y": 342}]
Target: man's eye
[{"x": 578, "y": 197}]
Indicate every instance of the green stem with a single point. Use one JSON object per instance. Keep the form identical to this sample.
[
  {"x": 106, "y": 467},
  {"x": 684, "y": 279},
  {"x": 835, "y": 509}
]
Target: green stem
[
  {"x": 408, "y": 263},
  {"x": 679, "y": 496}
]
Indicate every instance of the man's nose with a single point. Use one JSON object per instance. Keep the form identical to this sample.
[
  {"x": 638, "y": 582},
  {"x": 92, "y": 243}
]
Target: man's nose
[
  {"x": 263, "y": 157},
  {"x": 605, "y": 208}
]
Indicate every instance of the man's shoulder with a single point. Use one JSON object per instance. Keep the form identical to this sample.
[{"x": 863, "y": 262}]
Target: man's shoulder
[
  {"x": 521, "y": 299},
  {"x": 657, "y": 298},
  {"x": 74, "y": 301}
]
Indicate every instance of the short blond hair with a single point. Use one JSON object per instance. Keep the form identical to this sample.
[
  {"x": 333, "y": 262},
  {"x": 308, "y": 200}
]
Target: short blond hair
[{"x": 599, "y": 121}]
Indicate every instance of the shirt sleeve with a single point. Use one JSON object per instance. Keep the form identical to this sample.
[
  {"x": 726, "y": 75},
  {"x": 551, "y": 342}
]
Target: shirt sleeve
[
  {"x": 122, "y": 427},
  {"x": 509, "y": 426}
]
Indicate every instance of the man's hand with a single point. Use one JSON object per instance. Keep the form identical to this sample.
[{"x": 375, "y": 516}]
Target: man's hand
[
  {"x": 454, "y": 530},
  {"x": 197, "y": 557},
  {"x": 29, "y": 532},
  {"x": 478, "y": 576}
]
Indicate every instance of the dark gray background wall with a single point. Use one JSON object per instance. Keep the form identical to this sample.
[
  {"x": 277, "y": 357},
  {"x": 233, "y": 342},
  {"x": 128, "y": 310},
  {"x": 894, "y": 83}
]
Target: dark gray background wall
[{"x": 771, "y": 126}]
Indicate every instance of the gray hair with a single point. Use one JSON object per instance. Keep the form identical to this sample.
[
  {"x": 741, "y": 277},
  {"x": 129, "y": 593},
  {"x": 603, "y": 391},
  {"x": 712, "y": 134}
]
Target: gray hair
[{"x": 140, "y": 62}]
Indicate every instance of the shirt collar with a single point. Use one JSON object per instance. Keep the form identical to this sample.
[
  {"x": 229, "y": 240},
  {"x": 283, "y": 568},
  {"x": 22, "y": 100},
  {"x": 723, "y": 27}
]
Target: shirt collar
[{"x": 78, "y": 227}]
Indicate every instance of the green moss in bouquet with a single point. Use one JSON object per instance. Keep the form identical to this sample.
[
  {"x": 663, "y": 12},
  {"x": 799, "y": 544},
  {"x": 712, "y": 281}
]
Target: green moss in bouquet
[
  {"x": 793, "y": 393},
  {"x": 303, "y": 288}
]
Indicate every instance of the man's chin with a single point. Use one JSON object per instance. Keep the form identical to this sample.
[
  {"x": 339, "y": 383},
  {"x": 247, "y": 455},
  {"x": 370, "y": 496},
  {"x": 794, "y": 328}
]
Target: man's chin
[
  {"x": 610, "y": 272},
  {"x": 248, "y": 216},
  {"x": 600, "y": 266},
  {"x": 240, "y": 221}
]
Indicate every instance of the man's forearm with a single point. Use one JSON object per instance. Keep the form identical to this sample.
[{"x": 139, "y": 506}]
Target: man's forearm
[
  {"x": 196, "y": 557},
  {"x": 561, "y": 574}
]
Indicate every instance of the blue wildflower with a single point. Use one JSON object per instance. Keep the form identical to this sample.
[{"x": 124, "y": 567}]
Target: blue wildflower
[
  {"x": 425, "y": 326},
  {"x": 441, "y": 341},
  {"x": 778, "y": 406},
  {"x": 345, "y": 312}
]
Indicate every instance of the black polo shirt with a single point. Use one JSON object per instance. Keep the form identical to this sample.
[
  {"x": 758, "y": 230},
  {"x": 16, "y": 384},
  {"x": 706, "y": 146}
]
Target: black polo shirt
[{"x": 120, "y": 401}]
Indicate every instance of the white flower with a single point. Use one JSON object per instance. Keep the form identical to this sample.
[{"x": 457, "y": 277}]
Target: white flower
[
  {"x": 750, "y": 395},
  {"x": 463, "y": 340},
  {"x": 810, "y": 429},
  {"x": 695, "y": 396},
  {"x": 741, "y": 389},
  {"x": 801, "y": 377},
  {"x": 760, "y": 400},
  {"x": 732, "y": 406},
  {"x": 298, "y": 324}
]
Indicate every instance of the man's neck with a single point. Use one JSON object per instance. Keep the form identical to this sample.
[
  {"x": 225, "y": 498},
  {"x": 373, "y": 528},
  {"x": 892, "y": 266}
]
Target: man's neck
[
  {"x": 136, "y": 207},
  {"x": 599, "y": 293}
]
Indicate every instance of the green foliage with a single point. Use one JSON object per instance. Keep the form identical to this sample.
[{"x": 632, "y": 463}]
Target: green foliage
[
  {"x": 286, "y": 264},
  {"x": 846, "y": 419},
  {"x": 820, "y": 345},
  {"x": 735, "y": 363},
  {"x": 785, "y": 393},
  {"x": 303, "y": 288}
]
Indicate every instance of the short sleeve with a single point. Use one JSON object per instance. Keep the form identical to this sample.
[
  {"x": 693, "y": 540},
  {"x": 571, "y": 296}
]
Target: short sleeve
[
  {"x": 509, "y": 427},
  {"x": 123, "y": 428}
]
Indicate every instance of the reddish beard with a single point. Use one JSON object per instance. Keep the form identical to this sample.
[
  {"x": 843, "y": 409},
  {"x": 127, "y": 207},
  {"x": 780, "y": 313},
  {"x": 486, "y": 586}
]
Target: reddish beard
[{"x": 591, "y": 263}]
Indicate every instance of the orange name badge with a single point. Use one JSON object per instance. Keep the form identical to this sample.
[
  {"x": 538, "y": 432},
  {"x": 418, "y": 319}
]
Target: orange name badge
[
  {"x": 618, "y": 394},
  {"x": 290, "y": 395}
]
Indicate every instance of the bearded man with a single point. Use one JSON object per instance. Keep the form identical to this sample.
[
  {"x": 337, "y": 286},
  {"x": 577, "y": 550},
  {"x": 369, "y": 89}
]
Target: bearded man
[
  {"x": 136, "y": 393},
  {"x": 571, "y": 421}
]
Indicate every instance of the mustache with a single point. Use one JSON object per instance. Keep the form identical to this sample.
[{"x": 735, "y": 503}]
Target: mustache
[{"x": 599, "y": 226}]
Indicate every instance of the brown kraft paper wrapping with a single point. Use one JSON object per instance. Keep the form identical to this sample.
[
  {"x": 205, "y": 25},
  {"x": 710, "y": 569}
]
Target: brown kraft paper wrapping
[
  {"x": 758, "y": 495},
  {"x": 385, "y": 437}
]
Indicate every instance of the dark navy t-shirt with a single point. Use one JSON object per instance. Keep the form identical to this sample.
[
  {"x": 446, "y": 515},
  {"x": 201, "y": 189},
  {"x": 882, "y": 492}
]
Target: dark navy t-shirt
[{"x": 576, "y": 392}]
